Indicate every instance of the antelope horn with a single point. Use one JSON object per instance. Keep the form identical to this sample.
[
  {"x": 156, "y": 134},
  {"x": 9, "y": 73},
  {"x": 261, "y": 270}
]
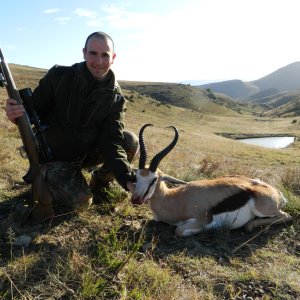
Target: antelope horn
[
  {"x": 159, "y": 156},
  {"x": 143, "y": 150}
]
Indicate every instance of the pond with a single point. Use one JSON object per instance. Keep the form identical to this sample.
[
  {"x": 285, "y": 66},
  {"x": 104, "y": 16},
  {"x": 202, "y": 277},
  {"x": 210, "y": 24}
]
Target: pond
[{"x": 275, "y": 142}]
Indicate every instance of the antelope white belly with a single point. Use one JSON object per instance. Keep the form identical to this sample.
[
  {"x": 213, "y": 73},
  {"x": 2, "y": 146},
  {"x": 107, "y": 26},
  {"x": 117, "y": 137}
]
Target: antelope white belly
[{"x": 233, "y": 219}]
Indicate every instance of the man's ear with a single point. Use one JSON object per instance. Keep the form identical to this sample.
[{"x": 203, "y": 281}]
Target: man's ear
[{"x": 113, "y": 57}]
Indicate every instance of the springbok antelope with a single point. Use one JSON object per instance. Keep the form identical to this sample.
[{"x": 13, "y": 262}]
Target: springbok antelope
[{"x": 231, "y": 201}]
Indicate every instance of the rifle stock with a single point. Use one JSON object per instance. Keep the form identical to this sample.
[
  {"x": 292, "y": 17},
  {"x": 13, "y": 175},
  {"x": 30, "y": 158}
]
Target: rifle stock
[{"x": 40, "y": 191}]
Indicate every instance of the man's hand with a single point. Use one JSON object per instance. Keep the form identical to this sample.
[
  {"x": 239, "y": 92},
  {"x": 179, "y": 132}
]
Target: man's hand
[{"x": 13, "y": 110}]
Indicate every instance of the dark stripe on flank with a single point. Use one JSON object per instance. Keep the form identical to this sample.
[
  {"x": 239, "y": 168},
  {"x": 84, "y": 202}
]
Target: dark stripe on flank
[{"x": 232, "y": 203}]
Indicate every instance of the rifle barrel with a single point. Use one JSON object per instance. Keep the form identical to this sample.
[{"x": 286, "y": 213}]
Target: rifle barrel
[
  {"x": 23, "y": 122},
  {"x": 1, "y": 55}
]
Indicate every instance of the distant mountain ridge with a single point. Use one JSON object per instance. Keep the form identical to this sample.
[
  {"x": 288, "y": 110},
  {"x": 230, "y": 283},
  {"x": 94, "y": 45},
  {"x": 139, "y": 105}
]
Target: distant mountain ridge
[
  {"x": 284, "y": 79},
  {"x": 232, "y": 88}
]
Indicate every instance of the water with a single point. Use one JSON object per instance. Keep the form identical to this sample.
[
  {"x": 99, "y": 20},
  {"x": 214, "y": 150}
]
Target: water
[{"x": 275, "y": 142}]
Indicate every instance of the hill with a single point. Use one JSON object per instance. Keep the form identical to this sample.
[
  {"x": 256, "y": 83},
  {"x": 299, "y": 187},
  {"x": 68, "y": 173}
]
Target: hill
[
  {"x": 186, "y": 96},
  {"x": 115, "y": 250},
  {"x": 283, "y": 105},
  {"x": 232, "y": 88},
  {"x": 284, "y": 79}
]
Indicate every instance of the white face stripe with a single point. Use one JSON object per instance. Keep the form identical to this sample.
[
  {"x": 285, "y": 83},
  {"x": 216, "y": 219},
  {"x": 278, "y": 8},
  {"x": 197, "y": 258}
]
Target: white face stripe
[{"x": 145, "y": 184}]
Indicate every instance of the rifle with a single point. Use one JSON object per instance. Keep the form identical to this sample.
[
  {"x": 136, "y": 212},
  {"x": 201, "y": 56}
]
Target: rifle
[
  {"x": 41, "y": 195},
  {"x": 44, "y": 151}
]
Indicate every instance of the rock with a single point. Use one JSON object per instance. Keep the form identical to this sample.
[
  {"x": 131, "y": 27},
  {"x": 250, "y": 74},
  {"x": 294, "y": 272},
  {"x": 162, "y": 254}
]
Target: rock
[
  {"x": 22, "y": 241},
  {"x": 220, "y": 288},
  {"x": 261, "y": 291}
]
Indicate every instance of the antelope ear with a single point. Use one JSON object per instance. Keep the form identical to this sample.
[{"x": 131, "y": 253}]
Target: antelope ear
[{"x": 172, "y": 179}]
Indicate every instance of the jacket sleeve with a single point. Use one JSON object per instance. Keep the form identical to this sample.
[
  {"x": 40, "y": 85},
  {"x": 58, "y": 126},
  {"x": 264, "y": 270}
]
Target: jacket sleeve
[
  {"x": 113, "y": 142},
  {"x": 43, "y": 95}
]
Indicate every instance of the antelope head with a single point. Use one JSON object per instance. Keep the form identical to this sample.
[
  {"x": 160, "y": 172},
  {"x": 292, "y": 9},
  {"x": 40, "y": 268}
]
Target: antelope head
[{"x": 147, "y": 177}]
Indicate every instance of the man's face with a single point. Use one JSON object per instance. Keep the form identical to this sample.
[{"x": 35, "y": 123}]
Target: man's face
[{"x": 99, "y": 56}]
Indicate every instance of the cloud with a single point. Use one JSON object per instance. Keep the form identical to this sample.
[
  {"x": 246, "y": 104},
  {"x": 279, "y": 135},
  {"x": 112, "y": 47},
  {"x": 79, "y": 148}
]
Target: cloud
[
  {"x": 92, "y": 17},
  {"x": 205, "y": 40},
  {"x": 51, "y": 10},
  {"x": 117, "y": 17},
  {"x": 120, "y": 18},
  {"x": 86, "y": 13},
  {"x": 59, "y": 20}
]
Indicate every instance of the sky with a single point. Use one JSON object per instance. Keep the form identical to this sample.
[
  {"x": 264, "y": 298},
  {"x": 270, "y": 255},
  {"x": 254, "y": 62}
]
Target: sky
[{"x": 158, "y": 40}]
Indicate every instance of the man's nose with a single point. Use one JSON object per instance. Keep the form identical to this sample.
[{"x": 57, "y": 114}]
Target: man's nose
[{"x": 99, "y": 60}]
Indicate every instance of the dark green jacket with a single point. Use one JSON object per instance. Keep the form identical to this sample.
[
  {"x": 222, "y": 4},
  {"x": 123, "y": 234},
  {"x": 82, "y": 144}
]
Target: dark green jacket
[{"x": 84, "y": 115}]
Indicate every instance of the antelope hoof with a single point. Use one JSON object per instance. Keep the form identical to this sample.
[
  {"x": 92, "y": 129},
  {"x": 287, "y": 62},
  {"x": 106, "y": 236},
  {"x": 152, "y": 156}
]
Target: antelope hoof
[{"x": 249, "y": 227}]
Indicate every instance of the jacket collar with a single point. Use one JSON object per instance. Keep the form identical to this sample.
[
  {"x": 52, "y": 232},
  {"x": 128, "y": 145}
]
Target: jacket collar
[
  {"x": 84, "y": 86},
  {"x": 87, "y": 81}
]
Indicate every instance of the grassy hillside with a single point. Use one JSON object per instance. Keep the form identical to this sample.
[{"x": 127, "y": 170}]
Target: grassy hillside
[
  {"x": 233, "y": 88},
  {"x": 115, "y": 251},
  {"x": 260, "y": 96},
  {"x": 200, "y": 100},
  {"x": 290, "y": 109},
  {"x": 174, "y": 94},
  {"x": 277, "y": 99},
  {"x": 285, "y": 104},
  {"x": 283, "y": 79}
]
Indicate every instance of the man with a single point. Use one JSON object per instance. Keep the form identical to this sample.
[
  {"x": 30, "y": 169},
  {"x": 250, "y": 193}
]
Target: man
[{"x": 83, "y": 109}]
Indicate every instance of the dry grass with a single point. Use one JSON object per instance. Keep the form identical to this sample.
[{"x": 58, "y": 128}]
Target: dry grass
[{"x": 116, "y": 251}]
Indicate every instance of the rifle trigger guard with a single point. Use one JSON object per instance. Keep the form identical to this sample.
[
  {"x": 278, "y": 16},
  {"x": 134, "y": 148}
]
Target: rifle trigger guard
[{"x": 2, "y": 80}]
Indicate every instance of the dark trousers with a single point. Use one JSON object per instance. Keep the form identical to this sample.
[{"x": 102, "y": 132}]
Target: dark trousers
[
  {"x": 95, "y": 160},
  {"x": 67, "y": 183}
]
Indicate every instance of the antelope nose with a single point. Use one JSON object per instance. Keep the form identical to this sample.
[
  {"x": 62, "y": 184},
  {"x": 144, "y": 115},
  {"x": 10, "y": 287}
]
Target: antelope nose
[{"x": 135, "y": 199}]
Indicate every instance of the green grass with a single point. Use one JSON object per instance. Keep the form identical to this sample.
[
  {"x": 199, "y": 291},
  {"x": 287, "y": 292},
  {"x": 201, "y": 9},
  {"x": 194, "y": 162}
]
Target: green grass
[{"x": 116, "y": 251}]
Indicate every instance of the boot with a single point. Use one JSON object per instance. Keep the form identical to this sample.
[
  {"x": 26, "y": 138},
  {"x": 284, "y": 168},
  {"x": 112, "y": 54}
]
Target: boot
[{"x": 99, "y": 185}]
